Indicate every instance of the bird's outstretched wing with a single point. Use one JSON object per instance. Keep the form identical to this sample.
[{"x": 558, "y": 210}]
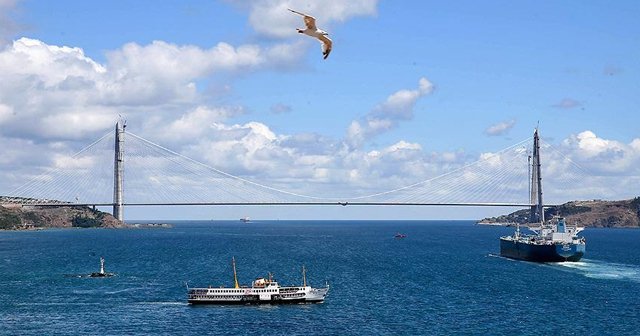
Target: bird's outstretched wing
[
  {"x": 309, "y": 20},
  {"x": 326, "y": 45}
]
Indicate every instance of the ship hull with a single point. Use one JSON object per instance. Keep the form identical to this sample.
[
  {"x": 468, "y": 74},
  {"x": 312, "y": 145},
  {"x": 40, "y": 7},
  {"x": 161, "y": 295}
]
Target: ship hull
[
  {"x": 230, "y": 296},
  {"x": 250, "y": 301},
  {"x": 520, "y": 250}
]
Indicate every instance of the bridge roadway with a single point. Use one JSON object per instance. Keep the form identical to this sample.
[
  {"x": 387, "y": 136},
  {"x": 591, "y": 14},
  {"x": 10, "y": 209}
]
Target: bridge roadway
[{"x": 345, "y": 203}]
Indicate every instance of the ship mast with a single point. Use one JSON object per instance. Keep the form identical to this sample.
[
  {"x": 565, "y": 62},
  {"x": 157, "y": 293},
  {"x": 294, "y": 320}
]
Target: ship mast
[
  {"x": 537, "y": 209},
  {"x": 235, "y": 276},
  {"x": 304, "y": 277}
]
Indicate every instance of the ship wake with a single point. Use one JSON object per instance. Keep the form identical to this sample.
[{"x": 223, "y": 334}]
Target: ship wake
[{"x": 602, "y": 270}]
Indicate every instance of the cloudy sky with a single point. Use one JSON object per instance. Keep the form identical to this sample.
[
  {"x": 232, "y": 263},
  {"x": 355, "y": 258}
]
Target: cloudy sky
[{"x": 408, "y": 93}]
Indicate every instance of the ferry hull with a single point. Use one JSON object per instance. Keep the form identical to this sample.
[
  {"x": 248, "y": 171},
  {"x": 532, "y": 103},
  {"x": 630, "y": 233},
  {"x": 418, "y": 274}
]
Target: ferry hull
[
  {"x": 541, "y": 253},
  {"x": 251, "y": 302},
  {"x": 230, "y": 296}
]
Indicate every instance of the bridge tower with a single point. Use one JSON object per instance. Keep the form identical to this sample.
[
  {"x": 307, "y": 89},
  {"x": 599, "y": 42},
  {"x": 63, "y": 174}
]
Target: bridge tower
[
  {"x": 537, "y": 208},
  {"x": 118, "y": 171}
]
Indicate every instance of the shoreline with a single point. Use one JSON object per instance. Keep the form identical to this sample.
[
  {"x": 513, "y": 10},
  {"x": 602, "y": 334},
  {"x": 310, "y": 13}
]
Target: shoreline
[{"x": 125, "y": 226}]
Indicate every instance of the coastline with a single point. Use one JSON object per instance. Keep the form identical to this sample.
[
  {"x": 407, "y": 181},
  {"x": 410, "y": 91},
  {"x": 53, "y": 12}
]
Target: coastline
[{"x": 125, "y": 226}]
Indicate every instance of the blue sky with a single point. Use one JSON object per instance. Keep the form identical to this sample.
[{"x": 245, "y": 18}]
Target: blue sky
[{"x": 180, "y": 70}]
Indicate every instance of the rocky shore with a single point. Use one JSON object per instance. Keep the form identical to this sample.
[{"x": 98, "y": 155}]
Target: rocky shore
[
  {"x": 593, "y": 213},
  {"x": 14, "y": 217}
]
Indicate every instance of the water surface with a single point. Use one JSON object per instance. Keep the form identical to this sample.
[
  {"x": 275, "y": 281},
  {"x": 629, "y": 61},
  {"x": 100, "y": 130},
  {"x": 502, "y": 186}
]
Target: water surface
[{"x": 443, "y": 278}]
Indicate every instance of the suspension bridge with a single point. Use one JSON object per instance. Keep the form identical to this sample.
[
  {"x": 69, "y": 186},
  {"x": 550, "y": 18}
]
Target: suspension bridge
[{"x": 123, "y": 169}]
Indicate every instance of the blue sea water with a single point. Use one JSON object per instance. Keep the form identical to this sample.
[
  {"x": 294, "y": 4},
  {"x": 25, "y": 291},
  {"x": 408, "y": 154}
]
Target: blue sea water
[{"x": 444, "y": 278}]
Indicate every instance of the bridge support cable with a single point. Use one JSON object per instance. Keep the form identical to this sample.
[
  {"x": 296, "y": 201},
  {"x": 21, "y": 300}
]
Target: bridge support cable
[
  {"x": 193, "y": 181},
  {"x": 563, "y": 176},
  {"x": 499, "y": 177},
  {"x": 81, "y": 177},
  {"x": 156, "y": 175}
]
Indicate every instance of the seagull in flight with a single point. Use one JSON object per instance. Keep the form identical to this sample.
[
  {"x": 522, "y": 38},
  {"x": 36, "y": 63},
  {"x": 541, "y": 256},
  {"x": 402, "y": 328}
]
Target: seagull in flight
[{"x": 313, "y": 31}]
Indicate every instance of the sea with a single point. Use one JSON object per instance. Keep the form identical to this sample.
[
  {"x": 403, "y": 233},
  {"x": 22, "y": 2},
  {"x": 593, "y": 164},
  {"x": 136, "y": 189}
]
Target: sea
[{"x": 444, "y": 278}]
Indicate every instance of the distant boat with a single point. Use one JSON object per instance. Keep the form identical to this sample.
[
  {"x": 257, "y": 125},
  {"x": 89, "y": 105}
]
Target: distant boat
[
  {"x": 245, "y": 219},
  {"x": 400, "y": 235},
  {"x": 262, "y": 290},
  {"x": 102, "y": 273}
]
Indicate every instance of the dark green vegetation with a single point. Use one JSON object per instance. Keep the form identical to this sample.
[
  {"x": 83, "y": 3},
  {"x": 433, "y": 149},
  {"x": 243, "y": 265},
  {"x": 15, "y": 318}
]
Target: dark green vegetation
[
  {"x": 94, "y": 219},
  {"x": 8, "y": 220},
  {"x": 595, "y": 213}
]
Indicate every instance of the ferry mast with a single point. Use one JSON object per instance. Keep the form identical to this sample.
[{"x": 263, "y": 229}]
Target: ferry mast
[{"x": 235, "y": 275}]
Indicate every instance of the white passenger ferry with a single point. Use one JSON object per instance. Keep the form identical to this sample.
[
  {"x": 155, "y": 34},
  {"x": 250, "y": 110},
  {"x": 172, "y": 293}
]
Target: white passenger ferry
[{"x": 262, "y": 290}]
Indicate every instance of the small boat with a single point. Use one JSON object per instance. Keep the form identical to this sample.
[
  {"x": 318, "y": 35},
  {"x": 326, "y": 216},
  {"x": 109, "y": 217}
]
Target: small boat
[
  {"x": 400, "y": 235},
  {"x": 102, "y": 273},
  {"x": 245, "y": 219},
  {"x": 262, "y": 290}
]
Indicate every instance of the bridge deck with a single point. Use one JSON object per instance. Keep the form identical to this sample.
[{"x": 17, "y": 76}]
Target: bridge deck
[{"x": 345, "y": 203}]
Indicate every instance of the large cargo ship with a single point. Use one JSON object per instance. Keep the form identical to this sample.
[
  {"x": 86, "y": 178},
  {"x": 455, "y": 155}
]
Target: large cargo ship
[
  {"x": 551, "y": 241},
  {"x": 262, "y": 290}
]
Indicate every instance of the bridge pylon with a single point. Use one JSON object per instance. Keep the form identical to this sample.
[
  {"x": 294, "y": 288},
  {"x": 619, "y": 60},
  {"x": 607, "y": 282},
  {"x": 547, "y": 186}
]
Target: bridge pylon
[{"x": 118, "y": 172}]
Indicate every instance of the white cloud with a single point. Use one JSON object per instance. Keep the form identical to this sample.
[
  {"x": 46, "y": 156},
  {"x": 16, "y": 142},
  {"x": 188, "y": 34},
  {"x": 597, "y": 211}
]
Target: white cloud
[
  {"x": 194, "y": 124},
  {"x": 6, "y": 112},
  {"x": 163, "y": 71},
  {"x": 57, "y": 94},
  {"x": 182, "y": 63},
  {"x": 68, "y": 162},
  {"x": 280, "y": 108},
  {"x": 603, "y": 155},
  {"x": 397, "y": 107},
  {"x": 400, "y": 104},
  {"x": 90, "y": 121},
  {"x": 52, "y": 94},
  {"x": 500, "y": 128},
  {"x": 47, "y": 90},
  {"x": 271, "y": 17},
  {"x": 313, "y": 165},
  {"x": 251, "y": 147},
  {"x": 590, "y": 145},
  {"x": 567, "y": 103},
  {"x": 492, "y": 159}
]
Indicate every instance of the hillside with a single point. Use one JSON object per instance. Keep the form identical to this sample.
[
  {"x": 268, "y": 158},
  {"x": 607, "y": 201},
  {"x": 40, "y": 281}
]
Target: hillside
[
  {"x": 595, "y": 213},
  {"x": 32, "y": 217}
]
